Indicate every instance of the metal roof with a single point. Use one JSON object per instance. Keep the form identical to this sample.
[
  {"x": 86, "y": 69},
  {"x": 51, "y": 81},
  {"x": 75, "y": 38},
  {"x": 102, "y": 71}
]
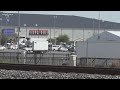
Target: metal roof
[
  {"x": 117, "y": 33},
  {"x": 62, "y": 21}
]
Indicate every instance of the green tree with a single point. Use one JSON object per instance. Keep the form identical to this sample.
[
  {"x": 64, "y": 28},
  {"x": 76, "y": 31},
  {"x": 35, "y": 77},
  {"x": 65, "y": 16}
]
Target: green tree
[{"x": 63, "y": 38}]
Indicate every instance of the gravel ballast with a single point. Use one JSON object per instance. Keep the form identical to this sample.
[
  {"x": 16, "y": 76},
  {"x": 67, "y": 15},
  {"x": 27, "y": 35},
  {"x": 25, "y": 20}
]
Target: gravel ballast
[{"x": 17, "y": 74}]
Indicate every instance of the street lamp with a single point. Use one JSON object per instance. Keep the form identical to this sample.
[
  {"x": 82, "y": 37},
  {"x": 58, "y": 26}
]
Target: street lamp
[
  {"x": 38, "y": 28},
  {"x": 18, "y": 33},
  {"x": 72, "y": 34},
  {"x": 99, "y": 26},
  {"x": 26, "y": 29},
  {"x": 55, "y": 37},
  {"x": 103, "y": 25},
  {"x": 87, "y": 49},
  {"x": 1, "y": 19},
  {"x": 55, "y": 17},
  {"x": 93, "y": 27},
  {"x": 1, "y": 28}
]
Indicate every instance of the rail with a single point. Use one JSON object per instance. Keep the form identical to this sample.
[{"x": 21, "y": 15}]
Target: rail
[{"x": 65, "y": 69}]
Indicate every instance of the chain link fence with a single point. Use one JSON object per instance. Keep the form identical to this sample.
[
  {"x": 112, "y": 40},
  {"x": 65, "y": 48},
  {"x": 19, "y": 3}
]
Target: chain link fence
[
  {"x": 99, "y": 62},
  {"x": 35, "y": 58}
]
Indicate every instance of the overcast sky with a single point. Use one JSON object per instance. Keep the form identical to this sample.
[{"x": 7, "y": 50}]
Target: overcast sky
[{"x": 113, "y": 16}]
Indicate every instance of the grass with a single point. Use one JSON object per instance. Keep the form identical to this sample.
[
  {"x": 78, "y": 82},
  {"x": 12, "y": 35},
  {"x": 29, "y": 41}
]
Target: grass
[{"x": 8, "y": 61}]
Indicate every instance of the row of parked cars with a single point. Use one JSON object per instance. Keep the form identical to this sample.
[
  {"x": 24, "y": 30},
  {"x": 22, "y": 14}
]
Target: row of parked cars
[
  {"x": 62, "y": 48},
  {"x": 8, "y": 46}
]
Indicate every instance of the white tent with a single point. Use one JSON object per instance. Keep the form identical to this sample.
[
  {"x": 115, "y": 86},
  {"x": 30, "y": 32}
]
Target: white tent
[{"x": 106, "y": 36}]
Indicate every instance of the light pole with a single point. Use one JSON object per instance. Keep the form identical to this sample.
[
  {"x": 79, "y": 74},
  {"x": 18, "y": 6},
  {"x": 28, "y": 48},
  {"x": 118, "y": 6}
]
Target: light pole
[
  {"x": 61, "y": 31},
  {"x": 1, "y": 28},
  {"x": 55, "y": 17},
  {"x": 103, "y": 25},
  {"x": 55, "y": 37},
  {"x": 18, "y": 33},
  {"x": 87, "y": 49},
  {"x": 99, "y": 26},
  {"x": 1, "y": 19},
  {"x": 38, "y": 28},
  {"x": 93, "y": 27},
  {"x": 72, "y": 35},
  {"x": 83, "y": 32},
  {"x": 50, "y": 41},
  {"x": 26, "y": 29}
]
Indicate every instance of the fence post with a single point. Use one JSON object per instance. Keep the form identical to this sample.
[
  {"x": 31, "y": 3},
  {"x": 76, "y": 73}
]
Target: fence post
[
  {"x": 106, "y": 62},
  {"x": 24, "y": 57},
  {"x": 10, "y": 57},
  {"x": 3, "y": 57},
  {"x": 17, "y": 56},
  {"x": 40, "y": 59},
  {"x": 53, "y": 58},
  {"x": 73, "y": 60},
  {"x": 35, "y": 58}
]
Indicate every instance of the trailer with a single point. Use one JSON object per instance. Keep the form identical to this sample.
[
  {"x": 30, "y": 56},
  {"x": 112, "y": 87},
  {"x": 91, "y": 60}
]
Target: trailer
[{"x": 39, "y": 45}]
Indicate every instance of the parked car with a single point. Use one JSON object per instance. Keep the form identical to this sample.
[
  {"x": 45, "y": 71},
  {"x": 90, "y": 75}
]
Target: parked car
[
  {"x": 14, "y": 47},
  {"x": 2, "y": 47},
  {"x": 63, "y": 49},
  {"x": 28, "y": 49},
  {"x": 71, "y": 49},
  {"x": 55, "y": 47}
]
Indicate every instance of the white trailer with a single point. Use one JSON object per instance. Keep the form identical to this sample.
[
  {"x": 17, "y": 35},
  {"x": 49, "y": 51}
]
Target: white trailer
[
  {"x": 98, "y": 49},
  {"x": 39, "y": 44}
]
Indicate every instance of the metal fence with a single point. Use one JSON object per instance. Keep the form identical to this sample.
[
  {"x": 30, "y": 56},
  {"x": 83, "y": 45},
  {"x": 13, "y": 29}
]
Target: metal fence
[
  {"x": 99, "y": 62},
  {"x": 57, "y": 59},
  {"x": 35, "y": 58}
]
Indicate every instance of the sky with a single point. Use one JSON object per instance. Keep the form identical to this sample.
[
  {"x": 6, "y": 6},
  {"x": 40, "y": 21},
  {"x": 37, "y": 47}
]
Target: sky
[{"x": 113, "y": 16}]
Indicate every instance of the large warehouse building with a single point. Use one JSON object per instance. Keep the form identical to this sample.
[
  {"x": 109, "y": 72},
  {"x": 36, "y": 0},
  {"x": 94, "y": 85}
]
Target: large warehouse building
[{"x": 51, "y": 26}]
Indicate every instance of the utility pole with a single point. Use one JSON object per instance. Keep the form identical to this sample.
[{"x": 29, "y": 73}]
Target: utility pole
[
  {"x": 1, "y": 28},
  {"x": 18, "y": 33},
  {"x": 99, "y": 26},
  {"x": 55, "y": 17},
  {"x": 93, "y": 27}
]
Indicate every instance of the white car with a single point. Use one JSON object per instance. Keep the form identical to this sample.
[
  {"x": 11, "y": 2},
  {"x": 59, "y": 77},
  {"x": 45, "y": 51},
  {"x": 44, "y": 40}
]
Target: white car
[
  {"x": 63, "y": 49},
  {"x": 14, "y": 47},
  {"x": 55, "y": 47},
  {"x": 2, "y": 47}
]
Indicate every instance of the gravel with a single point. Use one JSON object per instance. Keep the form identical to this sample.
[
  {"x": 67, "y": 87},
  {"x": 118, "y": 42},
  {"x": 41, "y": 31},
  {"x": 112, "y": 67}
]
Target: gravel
[{"x": 17, "y": 74}]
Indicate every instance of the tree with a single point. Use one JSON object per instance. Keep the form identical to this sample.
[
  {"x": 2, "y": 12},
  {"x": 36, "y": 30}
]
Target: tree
[{"x": 63, "y": 38}]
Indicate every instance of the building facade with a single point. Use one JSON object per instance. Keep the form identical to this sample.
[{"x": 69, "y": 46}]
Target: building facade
[{"x": 45, "y": 32}]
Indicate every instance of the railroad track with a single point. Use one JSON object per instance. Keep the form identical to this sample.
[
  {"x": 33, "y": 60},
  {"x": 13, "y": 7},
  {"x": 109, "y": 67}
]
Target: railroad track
[{"x": 65, "y": 69}]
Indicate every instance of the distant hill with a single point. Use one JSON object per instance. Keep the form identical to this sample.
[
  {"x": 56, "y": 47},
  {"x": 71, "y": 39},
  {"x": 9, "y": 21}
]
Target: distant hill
[{"x": 62, "y": 21}]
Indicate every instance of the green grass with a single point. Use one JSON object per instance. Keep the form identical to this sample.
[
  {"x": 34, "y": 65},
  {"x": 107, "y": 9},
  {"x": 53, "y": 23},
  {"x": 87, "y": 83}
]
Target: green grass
[{"x": 8, "y": 61}]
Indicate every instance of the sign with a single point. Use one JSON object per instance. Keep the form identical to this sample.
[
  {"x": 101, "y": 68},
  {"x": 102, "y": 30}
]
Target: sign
[
  {"x": 38, "y": 32},
  {"x": 8, "y": 31}
]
